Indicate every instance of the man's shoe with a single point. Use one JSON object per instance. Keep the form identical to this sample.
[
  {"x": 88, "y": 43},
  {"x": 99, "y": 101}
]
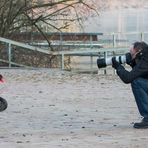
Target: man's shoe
[{"x": 142, "y": 124}]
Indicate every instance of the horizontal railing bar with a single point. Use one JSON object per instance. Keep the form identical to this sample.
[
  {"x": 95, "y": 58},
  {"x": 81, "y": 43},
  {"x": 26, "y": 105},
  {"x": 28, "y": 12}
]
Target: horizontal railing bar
[
  {"x": 13, "y": 63},
  {"x": 24, "y": 45},
  {"x": 63, "y": 43},
  {"x": 90, "y": 51},
  {"x": 127, "y": 33}
]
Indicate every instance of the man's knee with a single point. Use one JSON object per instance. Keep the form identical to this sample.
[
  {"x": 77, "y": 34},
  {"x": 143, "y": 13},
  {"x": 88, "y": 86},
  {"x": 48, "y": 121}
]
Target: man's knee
[
  {"x": 140, "y": 83},
  {"x": 135, "y": 83}
]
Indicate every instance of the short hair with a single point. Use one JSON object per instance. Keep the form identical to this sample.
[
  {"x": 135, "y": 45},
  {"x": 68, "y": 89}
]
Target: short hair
[{"x": 140, "y": 46}]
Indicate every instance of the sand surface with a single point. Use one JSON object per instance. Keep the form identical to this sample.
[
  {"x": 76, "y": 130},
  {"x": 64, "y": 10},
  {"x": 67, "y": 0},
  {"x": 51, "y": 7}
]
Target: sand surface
[{"x": 54, "y": 109}]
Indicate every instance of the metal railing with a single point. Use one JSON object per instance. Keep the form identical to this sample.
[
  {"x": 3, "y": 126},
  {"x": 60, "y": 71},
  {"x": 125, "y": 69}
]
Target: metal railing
[
  {"x": 11, "y": 43},
  {"x": 113, "y": 43},
  {"x": 106, "y": 43}
]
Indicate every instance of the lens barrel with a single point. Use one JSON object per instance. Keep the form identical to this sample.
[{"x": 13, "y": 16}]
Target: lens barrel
[{"x": 103, "y": 62}]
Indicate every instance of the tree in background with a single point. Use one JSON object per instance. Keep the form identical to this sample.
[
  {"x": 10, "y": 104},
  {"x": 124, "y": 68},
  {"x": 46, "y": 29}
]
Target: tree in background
[
  {"x": 42, "y": 15},
  {"x": 17, "y": 16}
]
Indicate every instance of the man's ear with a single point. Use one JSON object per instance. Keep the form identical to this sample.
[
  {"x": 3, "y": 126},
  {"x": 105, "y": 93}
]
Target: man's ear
[{"x": 138, "y": 54}]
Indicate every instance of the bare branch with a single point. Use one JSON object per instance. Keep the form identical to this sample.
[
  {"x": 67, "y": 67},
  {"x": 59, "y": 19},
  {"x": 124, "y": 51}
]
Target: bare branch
[{"x": 16, "y": 14}]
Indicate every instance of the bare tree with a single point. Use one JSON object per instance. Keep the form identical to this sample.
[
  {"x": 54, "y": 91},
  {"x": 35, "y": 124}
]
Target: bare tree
[
  {"x": 22, "y": 15},
  {"x": 40, "y": 16}
]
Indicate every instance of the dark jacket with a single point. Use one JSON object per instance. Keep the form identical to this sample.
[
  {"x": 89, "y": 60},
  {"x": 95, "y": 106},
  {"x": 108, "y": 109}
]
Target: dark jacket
[{"x": 138, "y": 70}]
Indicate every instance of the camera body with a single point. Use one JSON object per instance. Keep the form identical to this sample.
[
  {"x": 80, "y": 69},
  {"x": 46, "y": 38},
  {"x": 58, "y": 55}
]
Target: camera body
[{"x": 103, "y": 62}]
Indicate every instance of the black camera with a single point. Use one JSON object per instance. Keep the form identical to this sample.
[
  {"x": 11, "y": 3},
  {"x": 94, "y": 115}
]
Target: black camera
[{"x": 103, "y": 62}]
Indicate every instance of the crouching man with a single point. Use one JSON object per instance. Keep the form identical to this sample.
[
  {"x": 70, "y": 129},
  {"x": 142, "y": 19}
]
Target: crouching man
[{"x": 138, "y": 77}]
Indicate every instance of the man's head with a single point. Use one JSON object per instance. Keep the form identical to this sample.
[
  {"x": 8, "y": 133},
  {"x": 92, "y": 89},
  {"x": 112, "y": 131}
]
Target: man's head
[{"x": 138, "y": 49}]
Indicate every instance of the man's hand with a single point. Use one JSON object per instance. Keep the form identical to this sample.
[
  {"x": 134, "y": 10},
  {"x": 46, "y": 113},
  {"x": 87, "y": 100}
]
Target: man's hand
[
  {"x": 128, "y": 58},
  {"x": 115, "y": 64}
]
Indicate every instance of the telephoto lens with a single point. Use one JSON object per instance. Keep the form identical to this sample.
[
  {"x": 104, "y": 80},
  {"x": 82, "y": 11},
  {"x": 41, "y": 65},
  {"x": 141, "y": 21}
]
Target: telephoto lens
[{"x": 103, "y": 62}]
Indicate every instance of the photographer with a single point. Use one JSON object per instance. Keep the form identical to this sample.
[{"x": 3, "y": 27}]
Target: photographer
[{"x": 138, "y": 77}]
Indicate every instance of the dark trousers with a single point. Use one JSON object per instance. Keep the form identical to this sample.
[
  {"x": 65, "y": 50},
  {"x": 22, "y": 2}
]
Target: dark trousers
[{"x": 140, "y": 91}]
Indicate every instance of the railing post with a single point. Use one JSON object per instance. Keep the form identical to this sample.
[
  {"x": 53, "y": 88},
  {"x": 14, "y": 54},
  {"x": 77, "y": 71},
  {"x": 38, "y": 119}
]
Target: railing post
[
  {"x": 91, "y": 63},
  {"x": 91, "y": 56},
  {"x": 91, "y": 40},
  {"x": 62, "y": 62},
  {"x": 114, "y": 71},
  {"x": 142, "y": 36},
  {"x": 114, "y": 40},
  {"x": 9, "y": 54},
  {"x": 105, "y": 56}
]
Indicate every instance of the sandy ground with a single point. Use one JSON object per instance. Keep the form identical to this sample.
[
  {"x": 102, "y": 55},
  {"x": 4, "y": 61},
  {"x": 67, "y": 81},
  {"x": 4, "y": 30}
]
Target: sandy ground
[{"x": 52, "y": 109}]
